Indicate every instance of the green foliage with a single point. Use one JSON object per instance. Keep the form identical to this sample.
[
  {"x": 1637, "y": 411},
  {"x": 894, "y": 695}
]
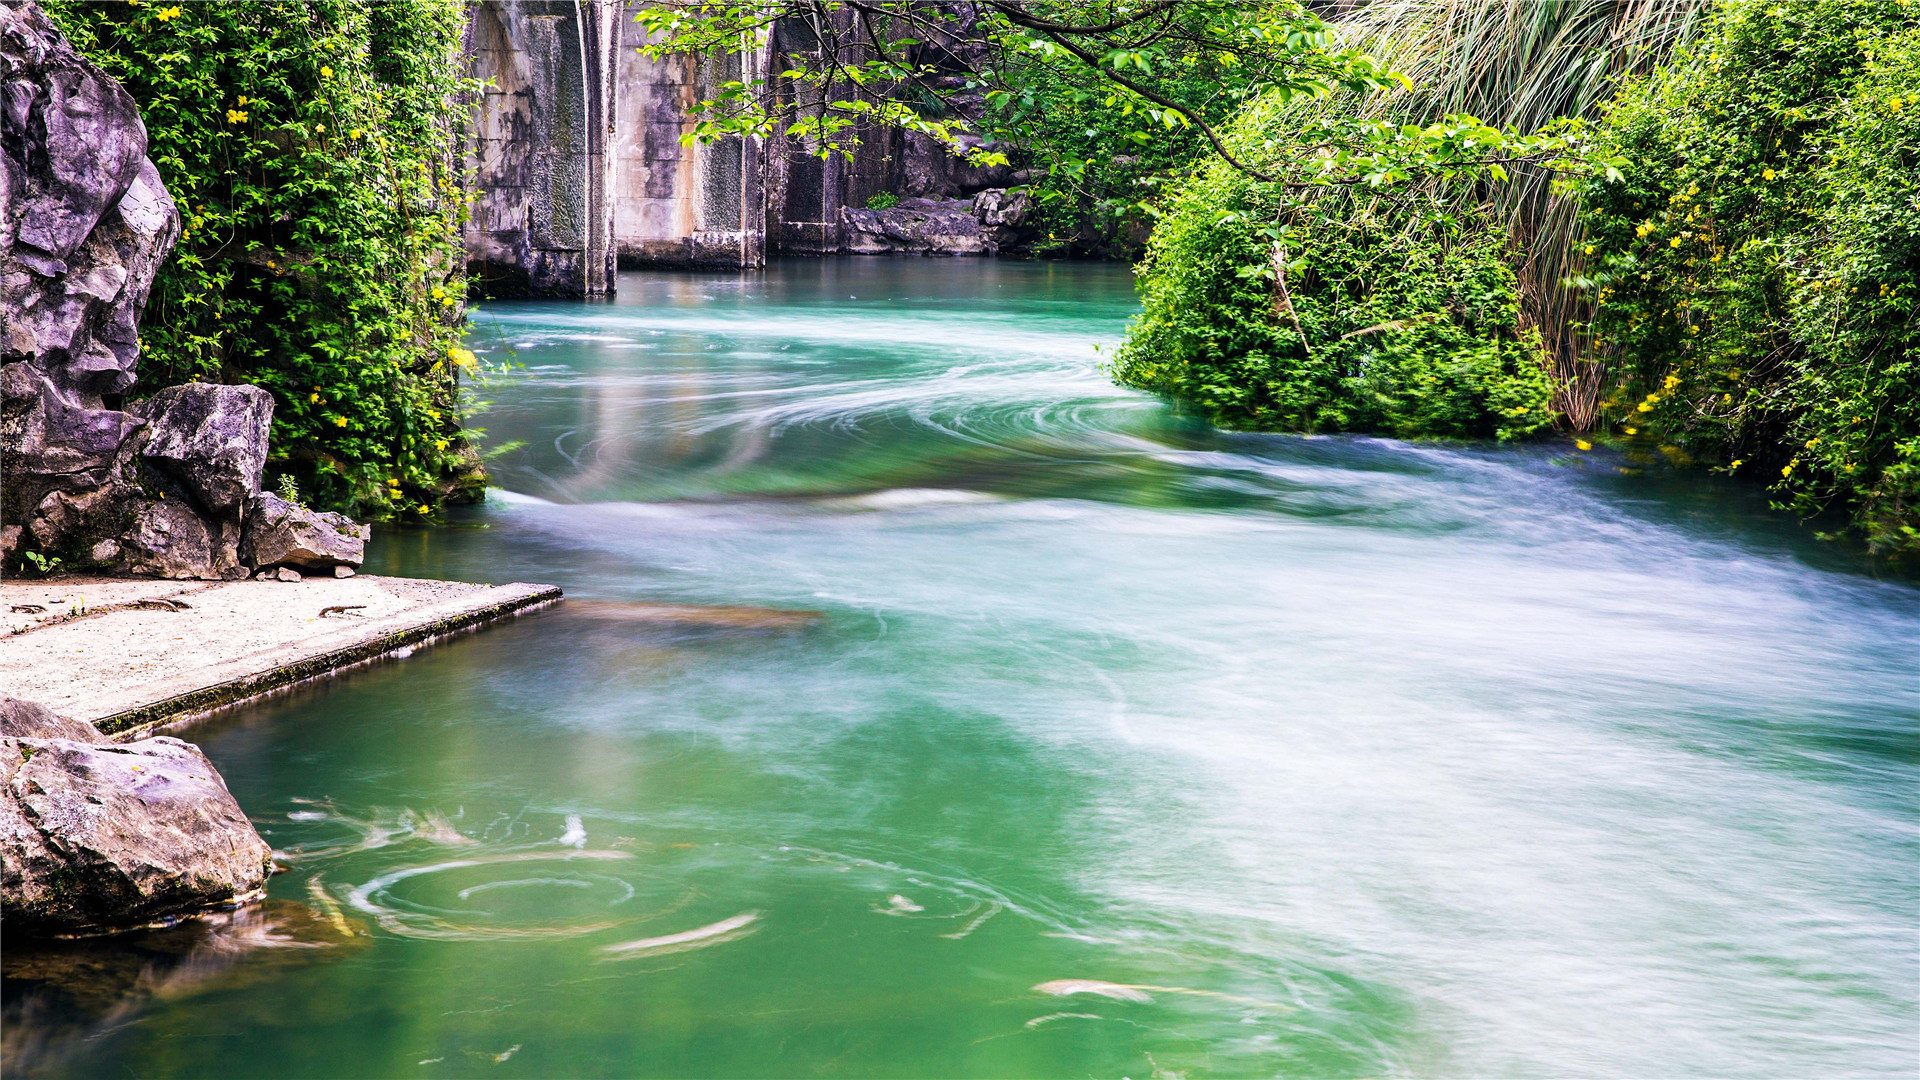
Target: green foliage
[
  {"x": 312, "y": 146},
  {"x": 885, "y": 200},
  {"x": 1758, "y": 263},
  {"x": 1361, "y": 310}
]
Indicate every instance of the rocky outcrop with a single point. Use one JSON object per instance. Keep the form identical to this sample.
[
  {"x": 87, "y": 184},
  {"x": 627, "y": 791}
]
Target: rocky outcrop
[
  {"x": 281, "y": 534},
  {"x": 98, "y": 836},
  {"x": 161, "y": 487},
  {"x": 983, "y": 225}
]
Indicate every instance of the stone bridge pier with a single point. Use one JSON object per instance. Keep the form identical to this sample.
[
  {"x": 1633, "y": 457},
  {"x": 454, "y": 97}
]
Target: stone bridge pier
[{"x": 575, "y": 155}]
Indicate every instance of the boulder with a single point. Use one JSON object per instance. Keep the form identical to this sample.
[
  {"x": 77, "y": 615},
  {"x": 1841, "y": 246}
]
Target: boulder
[
  {"x": 916, "y": 227},
  {"x": 161, "y": 487},
  {"x": 98, "y": 836},
  {"x": 279, "y": 533},
  {"x": 212, "y": 439},
  {"x": 26, "y": 720}
]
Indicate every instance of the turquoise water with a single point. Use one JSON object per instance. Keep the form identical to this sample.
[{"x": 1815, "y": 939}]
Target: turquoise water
[{"x": 1114, "y": 746}]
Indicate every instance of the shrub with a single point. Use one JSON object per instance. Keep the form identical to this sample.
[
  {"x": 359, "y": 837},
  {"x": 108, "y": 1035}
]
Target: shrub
[
  {"x": 1357, "y": 310},
  {"x": 313, "y": 149},
  {"x": 1757, "y": 264}
]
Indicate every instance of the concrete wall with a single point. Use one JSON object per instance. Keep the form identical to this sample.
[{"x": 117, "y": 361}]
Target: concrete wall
[
  {"x": 675, "y": 203},
  {"x": 537, "y": 147},
  {"x": 578, "y": 164}
]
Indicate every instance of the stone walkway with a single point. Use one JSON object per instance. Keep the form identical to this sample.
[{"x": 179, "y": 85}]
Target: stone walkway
[{"x": 128, "y": 654}]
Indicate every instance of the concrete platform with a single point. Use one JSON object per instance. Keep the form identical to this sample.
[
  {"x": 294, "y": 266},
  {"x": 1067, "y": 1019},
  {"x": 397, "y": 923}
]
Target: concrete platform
[{"x": 127, "y": 654}]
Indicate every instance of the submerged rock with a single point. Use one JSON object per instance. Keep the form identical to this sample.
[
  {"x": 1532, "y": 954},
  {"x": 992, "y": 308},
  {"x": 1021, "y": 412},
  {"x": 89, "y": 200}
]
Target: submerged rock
[
  {"x": 98, "y": 836},
  {"x": 280, "y": 533}
]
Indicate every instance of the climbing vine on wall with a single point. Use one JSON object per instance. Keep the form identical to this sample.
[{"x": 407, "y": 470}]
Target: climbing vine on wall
[{"x": 313, "y": 148}]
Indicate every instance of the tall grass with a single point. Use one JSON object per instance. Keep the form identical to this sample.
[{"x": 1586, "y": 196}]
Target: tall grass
[{"x": 1525, "y": 63}]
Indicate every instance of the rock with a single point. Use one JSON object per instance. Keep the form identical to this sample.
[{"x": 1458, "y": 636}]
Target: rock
[
  {"x": 212, "y": 439},
  {"x": 916, "y": 227},
  {"x": 343, "y": 571},
  {"x": 162, "y": 487},
  {"x": 285, "y": 573},
  {"x": 170, "y": 538},
  {"x": 280, "y": 533},
  {"x": 96, "y": 836},
  {"x": 26, "y": 720}
]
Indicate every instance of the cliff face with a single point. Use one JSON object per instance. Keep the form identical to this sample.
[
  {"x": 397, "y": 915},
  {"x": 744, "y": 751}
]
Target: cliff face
[
  {"x": 162, "y": 487},
  {"x": 578, "y": 163}
]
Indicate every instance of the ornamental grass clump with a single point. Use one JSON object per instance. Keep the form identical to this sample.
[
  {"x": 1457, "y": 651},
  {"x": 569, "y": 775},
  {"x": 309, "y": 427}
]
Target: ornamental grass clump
[{"x": 313, "y": 147}]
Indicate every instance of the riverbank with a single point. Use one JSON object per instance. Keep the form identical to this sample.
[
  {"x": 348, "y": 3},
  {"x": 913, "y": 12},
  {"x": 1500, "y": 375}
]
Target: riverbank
[{"x": 127, "y": 655}]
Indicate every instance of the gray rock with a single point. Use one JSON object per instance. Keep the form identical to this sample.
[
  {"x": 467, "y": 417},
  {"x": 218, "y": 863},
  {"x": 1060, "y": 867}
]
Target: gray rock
[
  {"x": 342, "y": 571},
  {"x": 96, "y": 836},
  {"x": 26, "y": 720},
  {"x": 212, "y": 439},
  {"x": 916, "y": 227},
  {"x": 282, "y": 534},
  {"x": 171, "y": 538},
  {"x": 286, "y": 573},
  {"x": 162, "y": 487}
]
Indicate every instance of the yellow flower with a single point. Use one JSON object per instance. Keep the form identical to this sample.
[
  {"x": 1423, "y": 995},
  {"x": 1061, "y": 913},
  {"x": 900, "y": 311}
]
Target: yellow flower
[
  {"x": 167, "y": 13},
  {"x": 1788, "y": 470},
  {"x": 242, "y": 101},
  {"x": 423, "y": 508},
  {"x": 1767, "y": 175},
  {"x": 236, "y": 116},
  {"x": 320, "y": 127},
  {"x": 1737, "y": 462},
  {"x": 1893, "y": 104},
  {"x": 1675, "y": 242},
  {"x": 1589, "y": 249},
  {"x": 439, "y": 444},
  {"x": 314, "y": 397},
  {"x": 339, "y": 421},
  {"x": 1644, "y": 407},
  {"x": 1672, "y": 381},
  {"x": 271, "y": 265},
  {"x": 326, "y": 72},
  {"x": 354, "y": 134},
  {"x": 1583, "y": 444},
  {"x": 438, "y": 292},
  {"x": 1631, "y": 430},
  {"x": 1726, "y": 399}
]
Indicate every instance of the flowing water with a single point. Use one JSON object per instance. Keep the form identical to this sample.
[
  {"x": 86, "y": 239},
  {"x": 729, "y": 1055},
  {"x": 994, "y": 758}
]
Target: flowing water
[{"x": 1103, "y": 744}]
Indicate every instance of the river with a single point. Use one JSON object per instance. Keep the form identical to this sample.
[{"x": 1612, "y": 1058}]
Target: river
[{"x": 1116, "y": 746}]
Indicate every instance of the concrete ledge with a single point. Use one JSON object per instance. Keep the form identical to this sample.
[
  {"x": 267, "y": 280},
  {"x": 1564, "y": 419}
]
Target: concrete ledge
[{"x": 127, "y": 655}]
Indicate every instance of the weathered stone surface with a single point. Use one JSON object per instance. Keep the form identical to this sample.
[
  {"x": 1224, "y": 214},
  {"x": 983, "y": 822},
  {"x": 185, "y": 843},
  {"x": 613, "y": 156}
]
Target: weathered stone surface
[
  {"x": 212, "y": 439},
  {"x": 161, "y": 487},
  {"x": 26, "y": 720},
  {"x": 170, "y": 538},
  {"x": 84, "y": 225},
  {"x": 916, "y": 227},
  {"x": 96, "y": 836},
  {"x": 990, "y": 220},
  {"x": 282, "y": 534}
]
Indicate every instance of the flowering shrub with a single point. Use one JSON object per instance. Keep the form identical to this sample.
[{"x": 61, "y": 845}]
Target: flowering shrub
[
  {"x": 313, "y": 147},
  {"x": 1757, "y": 262}
]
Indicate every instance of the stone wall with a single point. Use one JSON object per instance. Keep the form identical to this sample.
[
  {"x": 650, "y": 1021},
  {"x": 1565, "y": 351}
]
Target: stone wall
[
  {"x": 537, "y": 147},
  {"x": 578, "y": 161}
]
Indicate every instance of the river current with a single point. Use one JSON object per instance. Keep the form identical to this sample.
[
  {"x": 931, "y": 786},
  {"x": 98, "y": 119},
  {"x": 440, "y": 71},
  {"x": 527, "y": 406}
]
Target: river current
[{"x": 1043, "y": 731}]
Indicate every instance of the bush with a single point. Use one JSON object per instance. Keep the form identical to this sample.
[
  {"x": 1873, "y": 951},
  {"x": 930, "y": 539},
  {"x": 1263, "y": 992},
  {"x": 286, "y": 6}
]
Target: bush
[
  {"x": 313, "y": 150},
  {"x": 1757, "y": 265},
  {"x": 1353, "y": 311}
]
